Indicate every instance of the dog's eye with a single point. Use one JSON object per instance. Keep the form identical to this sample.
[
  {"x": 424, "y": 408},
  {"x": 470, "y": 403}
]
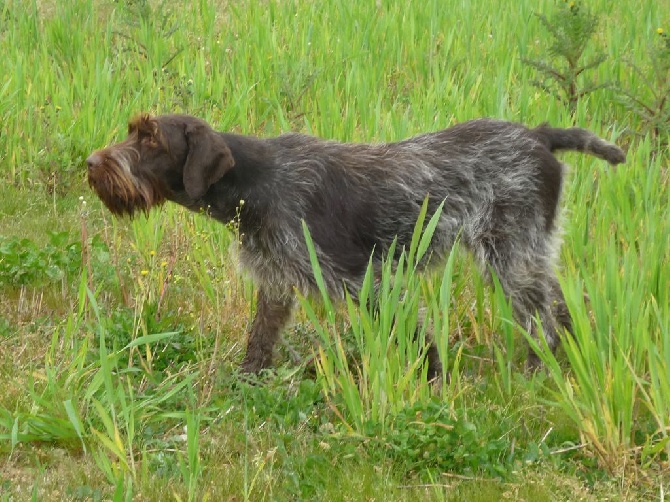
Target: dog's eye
[
  {"x": 140, "y": 134},
  {"x": 144, "y": 137},
  {"x": 148, "y": 140}
]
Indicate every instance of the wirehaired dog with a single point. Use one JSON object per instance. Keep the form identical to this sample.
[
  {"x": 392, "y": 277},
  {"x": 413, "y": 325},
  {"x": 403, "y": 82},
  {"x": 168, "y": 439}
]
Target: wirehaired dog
[{"x": 499, "y": 181}]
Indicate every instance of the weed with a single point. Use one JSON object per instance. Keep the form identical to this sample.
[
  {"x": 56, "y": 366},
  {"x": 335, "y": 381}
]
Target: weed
[
  {"x": 169, "y": 354},
  {"x": 283, "y": 402},
  {"x": 432, "y": 438},
  {"x": 6, "y": 328},
  {"x": 25, "y": 262}
]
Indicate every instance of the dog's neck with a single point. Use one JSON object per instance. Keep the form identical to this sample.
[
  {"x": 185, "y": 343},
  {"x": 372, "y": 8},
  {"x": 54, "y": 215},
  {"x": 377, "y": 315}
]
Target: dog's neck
[{"x": 242, "y": 196}]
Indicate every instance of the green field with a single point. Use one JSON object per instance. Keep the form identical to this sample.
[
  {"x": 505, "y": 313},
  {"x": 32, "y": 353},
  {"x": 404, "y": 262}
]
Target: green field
[{"x": 119, "y": 339}]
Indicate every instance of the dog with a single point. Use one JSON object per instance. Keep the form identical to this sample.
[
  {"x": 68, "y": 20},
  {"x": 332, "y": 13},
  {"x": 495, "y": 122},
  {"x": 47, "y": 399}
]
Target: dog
[{"x": 499, "y": 181}]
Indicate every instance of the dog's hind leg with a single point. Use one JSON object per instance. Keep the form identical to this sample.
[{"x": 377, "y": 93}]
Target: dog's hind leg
[{"x": 529, "y": 281}]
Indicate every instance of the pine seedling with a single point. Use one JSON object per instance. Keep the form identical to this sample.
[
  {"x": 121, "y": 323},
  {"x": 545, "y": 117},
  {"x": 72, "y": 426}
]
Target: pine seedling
[
  {"x": 651, "y": 101},
  {"x": 562, "y": 74}
]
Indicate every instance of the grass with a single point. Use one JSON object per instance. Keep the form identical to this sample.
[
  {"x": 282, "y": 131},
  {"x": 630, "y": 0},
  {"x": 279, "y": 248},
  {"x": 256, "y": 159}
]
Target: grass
[{"x": 119, "y": 340}]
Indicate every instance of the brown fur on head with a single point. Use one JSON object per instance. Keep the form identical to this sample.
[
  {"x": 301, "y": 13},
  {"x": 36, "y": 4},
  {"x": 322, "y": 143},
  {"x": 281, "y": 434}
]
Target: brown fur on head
[
  {"x": 169, "y": 157},
  {"x": 114, "y": 175},
  {"x": 144, "y": 126}
]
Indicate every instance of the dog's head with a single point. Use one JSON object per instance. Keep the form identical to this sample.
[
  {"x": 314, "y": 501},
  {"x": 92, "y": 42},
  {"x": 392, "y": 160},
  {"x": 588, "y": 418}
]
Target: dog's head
[{"x": 168, "y": 157}]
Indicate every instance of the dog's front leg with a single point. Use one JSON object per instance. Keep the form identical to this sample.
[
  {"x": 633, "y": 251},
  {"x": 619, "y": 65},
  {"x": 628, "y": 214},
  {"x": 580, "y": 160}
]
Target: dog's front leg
[{"x": 271, "y": 316}]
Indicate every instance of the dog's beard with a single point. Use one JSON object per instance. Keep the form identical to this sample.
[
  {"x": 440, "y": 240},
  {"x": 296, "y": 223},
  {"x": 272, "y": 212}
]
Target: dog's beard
[{"x": 121, "y": 191}]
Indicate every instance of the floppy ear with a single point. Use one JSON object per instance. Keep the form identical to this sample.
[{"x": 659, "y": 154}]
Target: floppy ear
[{"x": 208, "y": 159}]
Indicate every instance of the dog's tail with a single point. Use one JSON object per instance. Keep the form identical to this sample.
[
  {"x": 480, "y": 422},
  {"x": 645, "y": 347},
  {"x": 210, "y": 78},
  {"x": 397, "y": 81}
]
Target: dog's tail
[{"x": 581, "y": 140}]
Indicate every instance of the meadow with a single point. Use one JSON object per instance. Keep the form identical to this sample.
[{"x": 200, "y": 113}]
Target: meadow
[{"x": 120, "y": 339}]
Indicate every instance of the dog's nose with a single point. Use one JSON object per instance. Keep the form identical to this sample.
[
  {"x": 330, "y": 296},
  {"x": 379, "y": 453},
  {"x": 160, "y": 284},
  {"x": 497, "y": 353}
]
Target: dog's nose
[{"x": 94, "y": 160}]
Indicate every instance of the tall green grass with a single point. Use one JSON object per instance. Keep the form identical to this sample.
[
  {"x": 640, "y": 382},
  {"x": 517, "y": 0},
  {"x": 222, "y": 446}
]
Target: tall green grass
[
  {"x": 388, "y": 334},
  {"x": 617, "y": 356},
  {"x": 112, "y": 356}
]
